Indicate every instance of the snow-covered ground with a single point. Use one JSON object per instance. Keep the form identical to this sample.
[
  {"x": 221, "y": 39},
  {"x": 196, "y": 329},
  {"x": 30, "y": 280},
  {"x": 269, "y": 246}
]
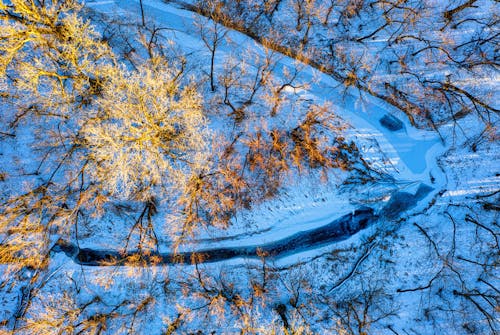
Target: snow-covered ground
[{"x": 424, "y": 273}]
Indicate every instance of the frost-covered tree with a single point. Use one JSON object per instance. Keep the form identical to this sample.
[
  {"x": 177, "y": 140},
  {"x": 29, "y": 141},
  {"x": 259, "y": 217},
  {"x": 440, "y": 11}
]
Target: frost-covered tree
[
  {"x": 49, "y": 62},
  {"x": 146, "y": 132}
]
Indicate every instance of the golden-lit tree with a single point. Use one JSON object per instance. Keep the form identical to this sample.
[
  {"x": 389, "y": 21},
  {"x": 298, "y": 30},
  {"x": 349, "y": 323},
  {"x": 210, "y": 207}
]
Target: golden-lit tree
[
  {"x": 147, "y": 134},
  {"x": 50, "y": 61}
]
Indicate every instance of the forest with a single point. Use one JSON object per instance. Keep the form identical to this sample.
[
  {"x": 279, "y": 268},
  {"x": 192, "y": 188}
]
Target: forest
[{"x": 249, "y": 167}]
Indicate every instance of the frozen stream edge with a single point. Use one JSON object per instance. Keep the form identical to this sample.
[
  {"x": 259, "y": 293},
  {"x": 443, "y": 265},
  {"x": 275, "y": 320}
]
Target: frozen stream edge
[{"x": 337, "y": 230}]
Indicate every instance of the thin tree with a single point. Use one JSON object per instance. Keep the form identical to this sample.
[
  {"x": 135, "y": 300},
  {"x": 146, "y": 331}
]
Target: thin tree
[{"x": 212, "y": 33}]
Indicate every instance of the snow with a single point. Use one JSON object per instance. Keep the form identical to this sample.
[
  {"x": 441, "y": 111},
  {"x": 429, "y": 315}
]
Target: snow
[{"x": 401, "y": 257}]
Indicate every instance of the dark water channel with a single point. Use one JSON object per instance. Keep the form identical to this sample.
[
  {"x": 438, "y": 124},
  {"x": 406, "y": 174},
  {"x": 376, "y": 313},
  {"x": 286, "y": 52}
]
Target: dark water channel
[{"x": 337, "y": 230}]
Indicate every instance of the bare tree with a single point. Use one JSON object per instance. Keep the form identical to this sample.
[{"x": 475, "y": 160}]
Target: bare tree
[{"x": 212, "y": 33}]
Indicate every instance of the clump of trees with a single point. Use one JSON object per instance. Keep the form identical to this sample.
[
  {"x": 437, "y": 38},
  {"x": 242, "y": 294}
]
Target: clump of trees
[
  {"x": 412, "y": 54},
  {"x": 85, "y": 134},
  {"x": 102, "y": 133},
  {"x": 106, "y": 133}
]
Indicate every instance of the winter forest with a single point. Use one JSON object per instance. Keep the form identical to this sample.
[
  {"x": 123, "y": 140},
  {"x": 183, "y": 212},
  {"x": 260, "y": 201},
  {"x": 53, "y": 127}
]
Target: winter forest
[{"x": 250, "y": 167}]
